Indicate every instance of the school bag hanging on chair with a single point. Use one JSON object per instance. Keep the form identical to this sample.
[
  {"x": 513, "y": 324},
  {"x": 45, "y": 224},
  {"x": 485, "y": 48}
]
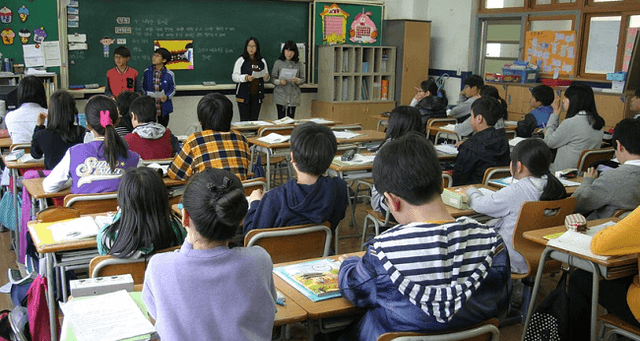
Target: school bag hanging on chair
[{"x": 550, "y": 320}]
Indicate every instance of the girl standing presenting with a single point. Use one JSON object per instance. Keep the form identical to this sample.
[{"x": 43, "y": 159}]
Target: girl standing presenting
[
  {"x": 287, "y": 91},
  {"x": 97, "y": 166},
  {"x": 250, "y": 90}
]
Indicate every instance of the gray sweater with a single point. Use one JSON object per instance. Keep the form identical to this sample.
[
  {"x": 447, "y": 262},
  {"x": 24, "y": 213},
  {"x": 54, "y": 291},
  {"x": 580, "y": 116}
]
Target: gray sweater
[
  {"x": 288, "y": 94},
  {"x": 570, "y": 138},
  {"x": 505, "y": 205},
  {"x": 614, "y": 189},
  {"x": 463, "y": 107}
]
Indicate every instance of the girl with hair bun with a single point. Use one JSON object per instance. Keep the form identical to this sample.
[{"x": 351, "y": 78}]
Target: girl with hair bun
[
  {"x": 97, "y": 166},
  {"x": 228, "y": 293}
]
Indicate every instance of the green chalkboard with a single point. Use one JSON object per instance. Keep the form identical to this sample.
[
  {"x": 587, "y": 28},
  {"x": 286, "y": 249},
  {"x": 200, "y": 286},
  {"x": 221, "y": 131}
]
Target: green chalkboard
[{"x": 218, "y": 28}]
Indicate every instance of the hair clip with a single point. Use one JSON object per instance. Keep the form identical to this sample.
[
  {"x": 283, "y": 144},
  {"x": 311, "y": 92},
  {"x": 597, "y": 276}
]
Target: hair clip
[
  {"x": 105, "y": 119},
  {"x": 219, "y": 189}
]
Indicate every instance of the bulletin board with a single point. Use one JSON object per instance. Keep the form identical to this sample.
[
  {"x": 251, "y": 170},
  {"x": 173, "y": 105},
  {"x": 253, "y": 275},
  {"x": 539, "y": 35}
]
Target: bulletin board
[
  {"x": 337, "y": 23},
  {"x": 555, "y": 50}
]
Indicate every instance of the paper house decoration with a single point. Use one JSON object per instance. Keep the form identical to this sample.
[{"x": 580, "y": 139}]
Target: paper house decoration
[
  {"x": 334, "y": 24},
  {"x": 363, "y": 29}
]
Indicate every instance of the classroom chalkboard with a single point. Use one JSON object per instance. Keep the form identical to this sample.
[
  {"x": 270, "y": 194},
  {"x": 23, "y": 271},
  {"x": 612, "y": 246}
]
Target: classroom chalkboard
[{"x": 218, "y": 28}]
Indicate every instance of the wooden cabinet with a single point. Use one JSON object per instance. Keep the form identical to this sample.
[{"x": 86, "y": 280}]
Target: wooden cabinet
[
  {"x": 356, "y": 112},
  {"x": 412, "y": 38},
  {"x": 612, "y": 108}
]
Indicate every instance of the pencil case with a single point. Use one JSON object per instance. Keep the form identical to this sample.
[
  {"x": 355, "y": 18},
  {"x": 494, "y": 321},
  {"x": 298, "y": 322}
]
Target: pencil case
[
  {"x": 455, "y": 199},
  {"x": 576, "y": 222}
]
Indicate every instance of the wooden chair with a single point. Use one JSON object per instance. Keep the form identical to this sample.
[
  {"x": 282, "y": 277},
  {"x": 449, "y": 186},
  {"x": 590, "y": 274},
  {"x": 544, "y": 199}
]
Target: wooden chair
[
  {"x": 161, "y": 162},
  {"x": 495, "y": 173},
  {"x": 448, "y": 136},
  {"x": 279, "y": 164},
  {"x": 354, "y": 126},
  {"x": 57, "y": 213},
  {"x": 437, "y": 122},
  {"x": 621, "y": 213},
  {"x": 252, "y": 184},
  {"x": 616, "y": 326},
  {"x": 535, "y": 215},
  {"x": 486, "y": 331},
  {"x": 589, "y": 156},
  {"x": 106, "y": 265},
  {"x": 511, "y": 134},
  {"x": 291, "y": 243},
  {"x": 92, "y": 203},
  {"x": 25, "y": 146}
]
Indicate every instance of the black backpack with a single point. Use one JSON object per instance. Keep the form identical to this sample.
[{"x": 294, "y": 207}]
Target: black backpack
[{"x": 550, "y": 320}]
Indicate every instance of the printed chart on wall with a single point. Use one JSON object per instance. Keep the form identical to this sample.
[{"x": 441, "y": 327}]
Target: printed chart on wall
[{"x": 554, "y": 50}]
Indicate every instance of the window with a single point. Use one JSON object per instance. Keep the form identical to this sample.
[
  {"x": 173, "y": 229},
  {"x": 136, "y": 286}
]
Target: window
[
  {"x": 557, "y": 23},
  {"x": 500, "y": 44},
  {"x": 497, "y": 4}
]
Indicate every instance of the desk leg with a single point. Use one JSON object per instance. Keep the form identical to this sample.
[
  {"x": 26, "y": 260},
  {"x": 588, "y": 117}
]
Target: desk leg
[
  {"x": 268, "y": 170},
  {"x": 16, "y": 220},
  {"x": 51, "y": 297},
  {"x": 536, "y": 287},
  {"x": 310, "y": 329},
  {"x": 594, "y": 298}
]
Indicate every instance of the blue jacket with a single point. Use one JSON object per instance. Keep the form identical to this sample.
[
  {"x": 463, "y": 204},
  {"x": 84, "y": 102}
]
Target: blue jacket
[
  {"x": 167, "y": 83},
  {"x": 294, "y": 204}
]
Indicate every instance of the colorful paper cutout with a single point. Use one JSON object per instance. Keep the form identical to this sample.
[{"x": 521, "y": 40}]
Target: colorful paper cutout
[
  {"x": 24, "y": 34},
  {"x": 181, "y": 53},
  {"x": 23, "y": 13},
  {"x": 6, "y": 15},
  {"x": 334, "y": 24},
  {"x": 106, "y": 41},
  {"x": 7, "y": 36},
  {"x": 363, "y": 29},
  {"x": 39, "y": 35},
  {"x": 554, "y": 50}
]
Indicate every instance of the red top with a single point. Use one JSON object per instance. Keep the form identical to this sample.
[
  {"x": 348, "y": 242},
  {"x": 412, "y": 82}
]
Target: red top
[
  {"x": 122, "y": 81},
  {"x": 150, "y": 149}
]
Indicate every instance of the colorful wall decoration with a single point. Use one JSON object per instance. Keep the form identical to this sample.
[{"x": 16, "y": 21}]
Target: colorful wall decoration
[
  {"x": 555, "y": 50},
  {"x": 632, "y": 32},
  {"x": 181, "y": 53},
  {"x": 334, "y": 24},
  {"x": 337, "y": 23}
]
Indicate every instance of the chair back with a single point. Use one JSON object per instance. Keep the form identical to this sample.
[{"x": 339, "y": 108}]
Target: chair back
[
  {"x": 511, "y": 134},
  {"x": 535, "y": 215},
  {"x": 25, "y": 146},
  {"x": 437, "y": 122},
  {"x": 57, "y": 213},
  {"x": 447, "y": 180},
  {"x": 161, "y": 162},
  {"x": 486, "y": 331},
  {"x": 495, "y": 173},
  {"x": 92, "y": 203},
  {"x": 287, "y": 244},
  {"x": 589, "y": 156},
  {"x": 354, "y": 126},
  {"x": 280, "y": 129},
  {"x": 107, "y": 265},
  {"x": 252, "y": 184},
  {"x": 621, "y": 213}
]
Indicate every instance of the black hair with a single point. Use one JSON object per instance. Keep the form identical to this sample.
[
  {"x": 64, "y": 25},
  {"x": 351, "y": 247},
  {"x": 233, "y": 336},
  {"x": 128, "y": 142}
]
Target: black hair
[
  {"x": 291, "y": 46},
  {"x": 637, "y": 92},
  {"x": 536, "y": 156},
  {"x": 215, "y": 112},
  {"x": 487, "y": 107},
  {"x": 474, "y": 80},
  {"x": 581, "y": 98},
  {"x": 31, "y": 90},
  {"x": 409, "y": 168},
  {"x": 313, "y": 147},
  {"x": 216, "y": 203},
  {"x": 543, "y": 94},
  {"x": 166, "y": 55},
  {"x": 62, "y": 115},
  {"x": 492, "y": 91},
  {"x": 112, "y": 146},
  {"x": 627, "y": 133},
  {"x": 145, "y": 109},
  {"x": 257, "y": 55},
  {"x": 402, "y": 120},
  {"x": 122, "y": 51},
  {"x": 145, "y": 215},
  {"x": 123, "y": 101}
]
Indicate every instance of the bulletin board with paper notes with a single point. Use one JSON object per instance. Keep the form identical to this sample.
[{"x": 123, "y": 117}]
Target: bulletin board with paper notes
[{"x": 556, "y": 50}]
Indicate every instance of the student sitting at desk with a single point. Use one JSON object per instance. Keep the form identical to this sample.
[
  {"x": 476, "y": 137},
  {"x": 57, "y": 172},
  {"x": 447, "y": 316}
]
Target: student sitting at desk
[
  {"x": 150, "y": 139},
  {"x": 144, "y": 223},
  {"x": 488, "y": 147},
  {"x": 530, "y": 162},
  {"x": 464, "y": 280},
  {"x": 32, "y": 100},
  {"x": 61, "y": 131},
  {"x": 465, "y": 129},
  {"x": 617, "y": 188},
  {"x": 207, "y": 291},
  {"x": 310, "y": 197},
  {"x": 581, "y": 129},
  {"x": 97, "y": 166},
  {"x": 468, "y": 95},
  {"x": 541, "y": 99},
  {"x": 431, "y": 101},
  {"x": 123, "y": 101},
  {"x": 216, "y": 146}
]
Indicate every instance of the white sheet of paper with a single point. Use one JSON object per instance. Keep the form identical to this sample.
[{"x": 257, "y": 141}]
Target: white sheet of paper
[
  {"x": 259, "y": 74},
  {"x": 275, "y": 138},
  {"x": 77, "y": 38},
  {"x": 345, "y": 134},
  {"x": 83, "y": 227},
  {"x": 580, "y": 242},
  {"x": 285, "y": 120},
  {"x": 108, "y": 317},
  {"x": 447, "y": 149},
  {"x": 156, "y": 94},
  {"x": 251, "y": 123},
  {"x": 359, "y": 159},
  {"x": 514, "y": 141},
  {"x": 32, "y": 56},
  {"x": 287, "y": 74},
  {"x": 449, "y": 127},
  {"x": 51, "y": 53}
]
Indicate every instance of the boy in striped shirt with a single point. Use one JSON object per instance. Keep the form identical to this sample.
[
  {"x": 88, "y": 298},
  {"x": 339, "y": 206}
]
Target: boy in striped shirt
[{"x": 431, "y": 272}]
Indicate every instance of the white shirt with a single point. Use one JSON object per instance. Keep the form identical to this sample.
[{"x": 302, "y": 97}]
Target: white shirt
[{"x": 22, "y": 121}]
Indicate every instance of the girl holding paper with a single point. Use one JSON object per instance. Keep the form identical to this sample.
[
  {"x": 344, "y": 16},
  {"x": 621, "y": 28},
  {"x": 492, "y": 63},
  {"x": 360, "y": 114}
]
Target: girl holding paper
[
  {"x": 287, "y": 75},
  {"x": 248, "y": 73}
]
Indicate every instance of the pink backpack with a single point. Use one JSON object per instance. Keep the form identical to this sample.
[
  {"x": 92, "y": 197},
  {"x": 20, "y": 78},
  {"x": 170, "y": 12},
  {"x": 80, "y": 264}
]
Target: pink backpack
[{"x": 39, "y": 311}]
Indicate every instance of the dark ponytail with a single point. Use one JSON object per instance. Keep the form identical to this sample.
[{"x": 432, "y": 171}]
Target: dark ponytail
[
  {"x": 492, "y": 91},
  {"x": 216, "y": 203},
  {"x": 536, "y": 156},
  {"x": 113, "y": 144}
]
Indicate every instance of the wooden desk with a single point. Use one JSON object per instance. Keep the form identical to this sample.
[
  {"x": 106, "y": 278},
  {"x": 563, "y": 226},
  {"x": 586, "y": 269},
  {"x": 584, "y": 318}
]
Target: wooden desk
[
  {"x": 614, "y": 267},
  {"x": 290, "y": 313},
  {"x": 251, "y": 127},
  {"x": 5, "y": 142},
  {"x": 383, "y": 120},
  {"x": 315, "y": 310}
]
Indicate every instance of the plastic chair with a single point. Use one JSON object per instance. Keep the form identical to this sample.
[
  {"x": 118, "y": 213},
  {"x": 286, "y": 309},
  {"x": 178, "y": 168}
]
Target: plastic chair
[
  {"x": 589, "y": 156},
  {"x": 535, "y": 215},
  {"x": 495, "y": 173},
  {"x": 617, "y": 326},
  {"x": 102, "y": 266},
  {"x": 92, "y": 203},
  {"x": 486, "y": 331},
  {"x": 291, "y": 243}
]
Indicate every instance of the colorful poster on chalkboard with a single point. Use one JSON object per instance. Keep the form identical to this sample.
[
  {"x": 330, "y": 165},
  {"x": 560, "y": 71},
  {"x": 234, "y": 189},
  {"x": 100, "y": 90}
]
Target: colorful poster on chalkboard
[
  {"x": 632, "y": 32},
  {"x": 181, "y": 53},
  {"x": 554, "y": 50},
  {"x": 339, "y": 23}
]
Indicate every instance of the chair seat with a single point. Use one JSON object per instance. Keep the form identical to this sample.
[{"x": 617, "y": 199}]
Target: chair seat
[
  {"x": 375, "y": 214},
  {"x": 274, "y": 160},
  {"x": 619, "y": 323}
]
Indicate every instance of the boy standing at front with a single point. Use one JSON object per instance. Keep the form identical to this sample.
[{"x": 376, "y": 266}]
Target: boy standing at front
[
  {"x": 122, "y": 77},
  {"x": 541, "y": 98},
  {"x": 488, "y": 147},
  {"x": 431, "y": 273},
  {"x": 157, "y": 78},
  {"x": 149, "y": 139},
  {"x": 311, "y": 197}
]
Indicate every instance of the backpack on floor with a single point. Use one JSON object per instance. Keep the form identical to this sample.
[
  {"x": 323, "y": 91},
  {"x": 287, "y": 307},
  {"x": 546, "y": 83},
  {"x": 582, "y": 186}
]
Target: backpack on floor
[{"x": 550, "y": 320}]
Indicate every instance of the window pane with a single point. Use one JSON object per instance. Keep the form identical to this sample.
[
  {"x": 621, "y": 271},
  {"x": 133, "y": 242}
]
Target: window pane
[
  {"x": 566, "y": 1},
  {"x": 503, "y": 50},
  {"x": 543, "y": 2},
  {"x": 606, "y": 0},
  {"x": 503, "y": 3},
  {"x": 550, "y": 25},
  {"x": 602, "y": 44},
  {"x": 503, "y": 32},
  {"x": 634, "y": 21}
]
